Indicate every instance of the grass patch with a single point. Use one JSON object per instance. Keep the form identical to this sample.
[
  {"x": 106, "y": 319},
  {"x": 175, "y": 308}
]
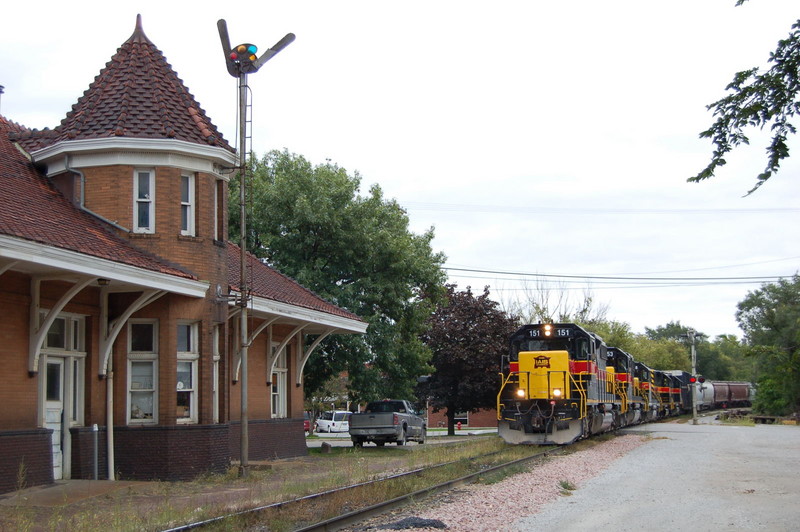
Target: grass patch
[
  {"x": 161, "y": 505},
  {"x": 566, "y": 488}
]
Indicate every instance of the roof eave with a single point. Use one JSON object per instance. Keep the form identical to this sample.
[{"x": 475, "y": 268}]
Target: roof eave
[
  {"x": 298, "y": 314},
  {"x": 26, "y": 251},
  {"x": 127, "y": 150}
]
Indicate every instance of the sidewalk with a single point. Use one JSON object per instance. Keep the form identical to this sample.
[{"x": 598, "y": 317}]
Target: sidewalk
[{"x": 64, "y": 492}]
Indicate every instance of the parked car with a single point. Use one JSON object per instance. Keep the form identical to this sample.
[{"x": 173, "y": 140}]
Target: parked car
[
  {"x": 389, "y": 421},
  {"x": 334, "y": 421}
]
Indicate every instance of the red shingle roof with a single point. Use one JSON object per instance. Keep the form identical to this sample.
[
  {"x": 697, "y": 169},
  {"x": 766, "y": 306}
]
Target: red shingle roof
[
  {"x": 269, "y": 283},
  {"x": 137, "y": 94},
  {"x": 32, "y": 209}
]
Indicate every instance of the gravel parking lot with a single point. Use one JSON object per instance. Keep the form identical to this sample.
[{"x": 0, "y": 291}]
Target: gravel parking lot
[
  {"x": 664, "y": 476},
  {"x": 690, "y": 477}
]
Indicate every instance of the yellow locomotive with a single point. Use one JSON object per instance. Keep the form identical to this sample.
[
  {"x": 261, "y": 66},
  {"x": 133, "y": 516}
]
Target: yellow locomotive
[{"x": 560, "y": 383}]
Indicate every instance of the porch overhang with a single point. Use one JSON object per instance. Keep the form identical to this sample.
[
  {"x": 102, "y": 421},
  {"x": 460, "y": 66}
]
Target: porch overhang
[{"x": 38, "y": 259}]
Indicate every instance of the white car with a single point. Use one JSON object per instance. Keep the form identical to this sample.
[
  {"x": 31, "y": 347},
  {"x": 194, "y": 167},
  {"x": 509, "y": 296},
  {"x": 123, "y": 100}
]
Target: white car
[{"x": 334, "y": 421}]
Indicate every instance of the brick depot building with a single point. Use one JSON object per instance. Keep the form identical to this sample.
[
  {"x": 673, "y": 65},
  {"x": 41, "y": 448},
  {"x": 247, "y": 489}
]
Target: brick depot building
[{"x": 117, "y": 289}]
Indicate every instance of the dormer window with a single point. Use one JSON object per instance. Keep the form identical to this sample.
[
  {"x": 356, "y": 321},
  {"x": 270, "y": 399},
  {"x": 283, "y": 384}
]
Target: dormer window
[
  {"x": 144, "y": 201},
  {"x": 187, "y": 205}
]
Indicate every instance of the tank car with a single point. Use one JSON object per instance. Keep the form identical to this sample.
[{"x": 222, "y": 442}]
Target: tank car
[
  {"x": 731, "y": 394},
  {"x": 557, "y": 387}
]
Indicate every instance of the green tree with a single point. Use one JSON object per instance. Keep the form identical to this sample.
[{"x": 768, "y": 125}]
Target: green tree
[
  {"x": 731, "y": 354},
  {"x": 310, "y": 222},
  {"x": 615, "y": 334},
  {"x": 758, "y": 100},
  {"x": 661, "y": 354},
  {"x": 671, "y": 331},
  {"x": 467, "y": 336},
  {"x": 770, "y": 319}
]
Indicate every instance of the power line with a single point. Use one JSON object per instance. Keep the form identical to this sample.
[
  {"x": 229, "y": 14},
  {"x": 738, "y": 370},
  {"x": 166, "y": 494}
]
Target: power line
[
  {"x": 618, "y": 278},
  {"x": 464, "y": 207}
]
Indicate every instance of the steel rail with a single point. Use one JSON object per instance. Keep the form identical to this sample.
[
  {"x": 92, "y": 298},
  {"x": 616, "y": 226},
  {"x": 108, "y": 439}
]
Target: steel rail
[
  {"x": 356, "y": 516},
  {"x": 365, "y": 512}
]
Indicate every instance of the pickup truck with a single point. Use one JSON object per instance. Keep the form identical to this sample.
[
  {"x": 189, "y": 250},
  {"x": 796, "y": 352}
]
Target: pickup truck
[{"x": 387, "y": 421}]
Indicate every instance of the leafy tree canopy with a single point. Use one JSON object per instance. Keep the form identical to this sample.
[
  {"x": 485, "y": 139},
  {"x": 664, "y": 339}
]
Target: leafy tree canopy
[
  {"x": 310, "y": 222},
  {"x": 467, "y": 335},
  {"x": 758, "y": 99},
  {"x": 770, "y": 319}
]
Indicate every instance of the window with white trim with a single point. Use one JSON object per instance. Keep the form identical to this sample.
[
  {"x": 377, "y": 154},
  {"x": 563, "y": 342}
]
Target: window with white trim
[
  {"x": 187, "y": 205},
  {"x": 186, "y": 382},
  {"x": 142, "y": 371},
  {"x": 278, "y": 391},
  {"x": 66, "y": 339},
  {"x": 144, "y": 201}
]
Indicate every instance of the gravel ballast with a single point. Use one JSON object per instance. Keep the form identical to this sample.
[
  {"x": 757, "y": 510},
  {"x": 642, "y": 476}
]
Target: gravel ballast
[{"x": 480, "y": 507}]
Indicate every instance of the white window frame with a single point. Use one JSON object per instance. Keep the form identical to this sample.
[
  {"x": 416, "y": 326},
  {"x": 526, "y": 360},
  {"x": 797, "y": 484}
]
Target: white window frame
[
  {"x": 139, "y": 357},
  {"x": 188, "y": 205},
  {"x": 149, "y": 200},
  {"x": 73, "y": 351},
  {"x": 191, "y": 357},
  {"x": 278, "y": 397}
]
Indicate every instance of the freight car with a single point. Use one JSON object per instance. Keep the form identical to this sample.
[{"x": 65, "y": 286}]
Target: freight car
[
  {"x": 724, "y": 394},
  {"x": 561, "y": 383}
]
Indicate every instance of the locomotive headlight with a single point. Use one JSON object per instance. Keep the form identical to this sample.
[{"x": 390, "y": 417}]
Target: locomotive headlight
[
  {"x": 556, "y": 392},
  {"x": 521, "y": 393}
]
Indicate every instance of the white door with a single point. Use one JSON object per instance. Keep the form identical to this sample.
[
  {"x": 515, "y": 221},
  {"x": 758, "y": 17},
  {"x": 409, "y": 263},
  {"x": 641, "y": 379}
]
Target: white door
[{"x": 54, "y": 409}]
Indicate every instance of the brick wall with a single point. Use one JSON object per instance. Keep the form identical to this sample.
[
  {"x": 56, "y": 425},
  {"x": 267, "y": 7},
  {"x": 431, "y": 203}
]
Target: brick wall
[
  {"x": 27, "y": 458},
  {"x": 171, "y": 452},
  {"x": 270, "y": 439},
  {"x": 83, "y": 453},
  {"x": 482, "y": 418}
]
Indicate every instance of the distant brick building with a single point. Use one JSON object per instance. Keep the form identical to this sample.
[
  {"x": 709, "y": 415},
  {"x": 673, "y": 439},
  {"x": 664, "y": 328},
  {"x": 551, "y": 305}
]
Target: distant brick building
[
  {"x": 482, "y": 418},
  {"x": 117, "y": 287}
]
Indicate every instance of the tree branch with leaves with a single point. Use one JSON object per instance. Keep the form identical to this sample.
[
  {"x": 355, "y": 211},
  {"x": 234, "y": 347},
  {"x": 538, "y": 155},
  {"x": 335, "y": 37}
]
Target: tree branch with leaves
[{"x": 758, "y": 100}]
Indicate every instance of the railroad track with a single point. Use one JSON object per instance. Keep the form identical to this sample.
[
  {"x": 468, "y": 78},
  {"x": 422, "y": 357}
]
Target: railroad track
[{"x": 254, "y": 516}]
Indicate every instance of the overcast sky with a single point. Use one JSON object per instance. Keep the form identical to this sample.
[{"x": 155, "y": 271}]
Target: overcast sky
[{"x": 537, "y": 138}]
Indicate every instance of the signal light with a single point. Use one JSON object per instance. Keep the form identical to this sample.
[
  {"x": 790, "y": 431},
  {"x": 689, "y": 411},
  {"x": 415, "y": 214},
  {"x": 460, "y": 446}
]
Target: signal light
[
  {"x": 242, "y": 57},
  {"x": 701, "y": 379},
  {"x": 692, "y": 379},
  {"x": 697, "y": 378}
]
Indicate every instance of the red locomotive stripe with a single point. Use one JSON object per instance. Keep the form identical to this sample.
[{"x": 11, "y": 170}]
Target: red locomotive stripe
[
  {"x": 582, "y": 366},
  {"x": 622, "y": 377},
  {"x": 514, "y": 367}
]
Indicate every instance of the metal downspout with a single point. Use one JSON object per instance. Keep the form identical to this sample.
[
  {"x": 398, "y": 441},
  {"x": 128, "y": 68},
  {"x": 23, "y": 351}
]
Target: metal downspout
[
  {"x": 82, "y": 205},
  {"x": 109, "y": 387}
]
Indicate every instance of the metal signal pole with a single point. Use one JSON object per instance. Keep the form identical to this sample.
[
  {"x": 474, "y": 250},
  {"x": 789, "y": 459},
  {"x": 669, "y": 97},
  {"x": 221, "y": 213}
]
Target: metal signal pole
[
  {"x": 241, "y": 60},
  {"x": 691, "y": 333}
]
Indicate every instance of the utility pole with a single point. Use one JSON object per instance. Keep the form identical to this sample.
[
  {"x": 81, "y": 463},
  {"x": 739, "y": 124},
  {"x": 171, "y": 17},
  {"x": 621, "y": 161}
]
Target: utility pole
[
  {"x": 692, "y": 334},
  {"x": 241, "y": 60}
]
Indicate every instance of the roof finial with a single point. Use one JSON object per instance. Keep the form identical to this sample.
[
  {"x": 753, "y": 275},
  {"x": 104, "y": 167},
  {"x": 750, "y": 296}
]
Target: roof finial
[{"x": 138, "y": 32}]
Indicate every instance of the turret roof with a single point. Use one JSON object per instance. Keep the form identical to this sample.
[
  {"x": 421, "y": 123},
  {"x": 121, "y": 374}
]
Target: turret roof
[{"x": 137, "y": 94}]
